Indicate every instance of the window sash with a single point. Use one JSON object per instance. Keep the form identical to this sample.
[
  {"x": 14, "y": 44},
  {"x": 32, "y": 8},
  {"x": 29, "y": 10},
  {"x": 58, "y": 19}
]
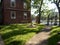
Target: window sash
[
  {"x": 25, "y": 15},
  {"x": 13, "y": 3},
  {"x": 57, "y": 1},
  {"x": 13, "y": 15},
  {"x": 25, "y": 5},
  {"x": 59, "y": 4}
]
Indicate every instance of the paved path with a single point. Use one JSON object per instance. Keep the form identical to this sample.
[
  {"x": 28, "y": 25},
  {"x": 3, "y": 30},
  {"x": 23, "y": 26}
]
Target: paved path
[
  {"x": 1, "y": 41},
  {"x": 40, "y": 38}
]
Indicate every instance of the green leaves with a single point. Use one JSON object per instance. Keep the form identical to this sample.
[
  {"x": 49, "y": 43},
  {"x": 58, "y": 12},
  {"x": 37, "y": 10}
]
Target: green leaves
[
  {"x": 36, "y": 3},
  {"x": 28, "y": 4}
]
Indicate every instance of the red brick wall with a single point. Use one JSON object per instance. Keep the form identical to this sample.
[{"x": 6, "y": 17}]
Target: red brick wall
[{"x": 19, "y": 12}]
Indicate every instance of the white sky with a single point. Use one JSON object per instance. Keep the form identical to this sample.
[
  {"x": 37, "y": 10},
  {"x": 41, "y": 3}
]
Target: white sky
[{"x": 50, "y": 6}]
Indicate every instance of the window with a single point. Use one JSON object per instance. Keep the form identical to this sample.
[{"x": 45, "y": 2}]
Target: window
[
  {"x": 25, "y": 5},
  {"x": 57, "y": 1},
  {"x": 13, "y": 15},
  {"x": 13, "y": 3},
  {"x": 59, "y": 4},
  {"x": 25, "y": 15}
]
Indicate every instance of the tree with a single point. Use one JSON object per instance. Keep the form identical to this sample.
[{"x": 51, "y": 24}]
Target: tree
[
  {"x": 39, "y": 16},
  {"x": 28, "y": 2},
  {"x": 57, "y": 2},
  {"x": 38, "y": 4}
]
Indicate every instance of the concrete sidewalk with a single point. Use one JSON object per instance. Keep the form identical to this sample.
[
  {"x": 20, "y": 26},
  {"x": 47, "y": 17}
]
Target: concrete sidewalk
[
  {"x": 40, "y": 38},
  {"x": 1, "y": 41}
]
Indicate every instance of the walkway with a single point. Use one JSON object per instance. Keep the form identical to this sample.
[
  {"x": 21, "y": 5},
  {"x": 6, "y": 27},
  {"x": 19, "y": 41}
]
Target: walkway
[
  {"x": 1, "y": 41},
  {"x": 40, "y": 38}
]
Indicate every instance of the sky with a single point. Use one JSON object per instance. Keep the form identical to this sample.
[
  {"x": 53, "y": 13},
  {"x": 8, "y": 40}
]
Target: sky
[{"x": 50, "y": 6}]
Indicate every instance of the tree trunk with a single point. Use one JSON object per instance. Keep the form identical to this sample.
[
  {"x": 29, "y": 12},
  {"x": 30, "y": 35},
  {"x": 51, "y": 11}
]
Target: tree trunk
[
  {"x": 48, "y": 20},
  {"x": 51, "y": 21},
  {"x": 55, "y": 20},
  {"x": 39, "y": 16}
]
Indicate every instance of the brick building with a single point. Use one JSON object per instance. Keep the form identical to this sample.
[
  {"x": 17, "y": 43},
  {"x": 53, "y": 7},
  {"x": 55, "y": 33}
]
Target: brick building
[{"x": 15, "y": 11}]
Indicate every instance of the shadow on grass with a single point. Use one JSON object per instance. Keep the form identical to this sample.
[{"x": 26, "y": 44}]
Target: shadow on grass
[
  {"x": 55, "y": 30},
  {"x": 54, "y": 39},
  {"x": 15, "y": 43},
  {"x": 54, "y": 27},
  {"x": 46, "y": 29},
  {"x": 11, "y": 26},
  {"x": 14, "y": 30},
  {"x": 20, "y": 31}
]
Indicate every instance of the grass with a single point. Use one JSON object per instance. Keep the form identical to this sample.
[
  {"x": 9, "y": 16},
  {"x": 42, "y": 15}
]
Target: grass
[
  {"x": 18, "y": 34},
  {"x": 54, "y": 36}
]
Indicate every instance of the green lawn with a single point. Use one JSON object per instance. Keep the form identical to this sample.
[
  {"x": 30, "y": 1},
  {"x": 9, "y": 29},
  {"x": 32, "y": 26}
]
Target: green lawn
[
  {"x": 54, "y": 36},
  {"x": 18, "y": 34}
]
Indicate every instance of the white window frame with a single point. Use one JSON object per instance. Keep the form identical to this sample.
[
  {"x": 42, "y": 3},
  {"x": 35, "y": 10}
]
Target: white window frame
[
  {"x": 25, "y": 5},
  {"x": 25, "y": 15},
  {"x": 59, "y": 4},
  {"x": 57, "y": 1},
  {"x": 13, "y": 12},
  {"x": 13, "y": 1}
]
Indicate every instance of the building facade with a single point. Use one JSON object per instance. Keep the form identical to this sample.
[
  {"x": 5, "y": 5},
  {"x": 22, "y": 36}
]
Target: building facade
[{"x": 15, "y": 11}]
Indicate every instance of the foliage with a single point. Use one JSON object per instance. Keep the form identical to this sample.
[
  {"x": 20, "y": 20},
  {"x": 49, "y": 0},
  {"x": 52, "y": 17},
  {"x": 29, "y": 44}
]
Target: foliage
[
  {"x": 54, "y": 36},
  {"x": 58, "y": 7},
  {"x": 38, "y": 5},
  {"x": 18, "y": 34},
  {"x": 28, "y": 2}
]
